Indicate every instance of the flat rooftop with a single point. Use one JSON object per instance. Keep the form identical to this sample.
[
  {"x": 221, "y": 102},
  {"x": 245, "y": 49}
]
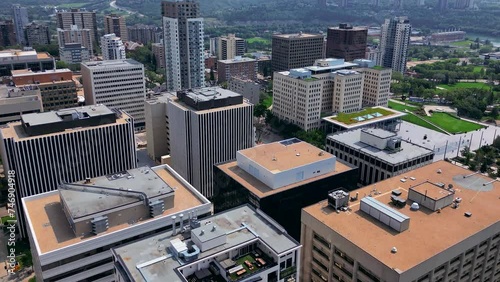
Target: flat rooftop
[
  {"x": 144, "y": 179},
  {"x": 50, "y": 226},
  {"x": 28, "y": 72},
  {"x": 238, "y": 60},
  {"x": 23, "y": 55},
  {"x": 381, "y": 133},
  {"x": 449, "y": 223},
  {"x": 352, "y": 138},
  {"x": 111, "y": 63},
  {"x": 261, "y": 190},
  {"x": 35, "y": 119},
  {"x": 285, "y": 155},
  {"x": 209, "y": 99},
  {"x": 360, "y": 119},
  {"x": 160, "y": 266},
  {"x": 298, "y": 36}
]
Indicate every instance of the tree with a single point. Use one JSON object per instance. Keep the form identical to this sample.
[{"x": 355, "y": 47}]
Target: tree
[
  {"x": 483, "y": 167},
  {"x": 496, "y": 142},
  {"x": 494, "y": 112},
  {"x": 61, "y": 65},
  {"x": 259, "y": 110},
  {"x": 212, "y": 74}
]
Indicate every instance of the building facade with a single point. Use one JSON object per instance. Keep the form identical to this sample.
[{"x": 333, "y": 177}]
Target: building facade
[
  {"x": 57, "y": 219},
  {"x": 74, "y": 53},
  {"x": 183, "y": 41},
  {"x": 116, "y": 24},
  {"x": 291, "y": 51},
  {"x": 159, "y": 54},
  {"x": 211, "y": 124},
  {"x": 76, "y": 35},
  {"x": 19, "y": 60},
  {"x": 144, "y": 34},
  {"x": 16, "y": 101},
  {"x": 346, "y": 42},
  {"x": 68, "y": 145},
  {"x": 82, "y": 19},
  {"x": 378, "y": 153},
  {"x": 347, "y": 91},
  {"x": 36, "y": 34},
  {"x": 112, "y": 47},
  {"x": 374, "y": 54},
  {"x": 245, "y": 68},
  {"x": 394, "y": 43},
  {"x": 248, "y": 88},
  {"x": 117, "y": 84},
  {"x": 334, "y": 249},
  {"x": 376, "y": 86},
  {"x": 20, "y": 16},
  {"x": 7, "y": 33},
  {"x": 230, "y": 46}
]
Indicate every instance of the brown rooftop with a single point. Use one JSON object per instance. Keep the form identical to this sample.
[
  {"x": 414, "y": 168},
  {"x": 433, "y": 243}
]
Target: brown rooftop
[
  {"x": 427, "y": 229},
  {"x": 51, "y": 228},
  {"x": 277, "y": 157},
  {"x": 260, "y": 189},
  {"x": 431, "y": 190}
]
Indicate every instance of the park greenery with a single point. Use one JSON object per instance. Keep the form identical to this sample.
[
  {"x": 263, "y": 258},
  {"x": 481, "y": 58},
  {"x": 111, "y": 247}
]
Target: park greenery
[{"x": 486, "y": 159}]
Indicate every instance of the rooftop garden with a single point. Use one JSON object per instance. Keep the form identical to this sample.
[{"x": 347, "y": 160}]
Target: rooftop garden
[
  {"x": 378, "y": 68},
  {"x": 352, "y": 118}
]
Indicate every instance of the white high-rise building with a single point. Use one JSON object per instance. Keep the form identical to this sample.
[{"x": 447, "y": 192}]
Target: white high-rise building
[
  {"x": 112, "y": 47},
  {"x": 183, "y": 40},
  {"x": 395, "y": 42},
  {"x": 76, "y": 35},
  {"x": 20, "y": 21},
  {"x": 116, "y": 84}
]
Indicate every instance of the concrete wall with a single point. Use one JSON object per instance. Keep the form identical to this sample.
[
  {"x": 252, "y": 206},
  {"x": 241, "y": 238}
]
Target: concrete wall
[{"x": 155, "y": 114}]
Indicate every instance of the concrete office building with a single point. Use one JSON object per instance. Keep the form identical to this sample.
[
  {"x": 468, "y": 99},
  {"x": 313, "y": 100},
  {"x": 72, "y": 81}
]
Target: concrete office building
[
  {"x": 16, "y": 101},
  {"x": 313, "y": 90},
  {"x": 20, "y": 16},
  {"x": 374, "y": 54},
  {"x": 74, "y": 53},
  {"x": 117, "y": 84},
  {"x": 18, "y": 60},
  {"x": 376, "y": 84},
  {"x": 280, "y": 178},
  {"x": 144, "y": 34},
  {"x": 248, "y": 88},
  {"x": 157, "y": 125},
  {"x": 76, "y": 35},
  {"x": 380, "y": 154},
  {"x": 211, "y": 125},
  {"x": 7, "y": 33},
  {"x": 394, "y": 231},
  {"x": 112, "y": 47},
  {"x": 82, "y": 19},
  {"x": 72, "y": 230},
  {"x": 347, "y": 91},
  {"x": 183, "y": 41},
  {"x": 57, "y": 88},
  {"x": 229, "y": 47},
  {"x": 394, "y": 43},
  {"x": 346, "y": 42},
  {"x": 242, "y": 244},
  {"x": 70, "y": 145},
  {"x": 159, "y": 54},
  {"x": 290, "y": 51},
  {"x": 238, "y": 67},
  {"x": 116, "y": 24},
  {"x": 36, "y": 34}
]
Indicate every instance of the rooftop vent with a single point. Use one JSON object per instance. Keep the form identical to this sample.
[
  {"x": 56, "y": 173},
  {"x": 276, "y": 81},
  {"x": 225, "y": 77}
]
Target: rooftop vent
[
  {"x": 156, "y": 208},
  {"x": 338, "y": 199},
  {"x": 100, "y": 224},
  {"x": 385, "y": 214},
  {"x": 467, "y": 214},
  {"x": 415, "y": 207},
  {"x": 394, "y": 250}
]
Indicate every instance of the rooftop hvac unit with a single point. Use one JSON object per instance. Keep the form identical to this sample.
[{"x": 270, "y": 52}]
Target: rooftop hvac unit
[
  {"x": 156, "y": 208},
  {"x": 99, "y": 224},
  {"x": 338, "y": 199}
]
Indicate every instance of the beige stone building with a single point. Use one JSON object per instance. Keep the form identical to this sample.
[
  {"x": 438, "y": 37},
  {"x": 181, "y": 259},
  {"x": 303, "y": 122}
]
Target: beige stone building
[
  {"x": 435, "y": 223},
  {"x": 348, "y": 91},
  {"x": 377, "y": 86}
]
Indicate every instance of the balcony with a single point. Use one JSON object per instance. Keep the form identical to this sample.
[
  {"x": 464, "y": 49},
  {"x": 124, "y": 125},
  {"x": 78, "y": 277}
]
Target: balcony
[{"x": 288, "y": 273}]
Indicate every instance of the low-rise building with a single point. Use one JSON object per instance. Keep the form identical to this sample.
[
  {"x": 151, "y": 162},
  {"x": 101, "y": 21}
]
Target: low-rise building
[
  {"x": 238, "y": 67},
  {"x": 280, "y": 178},
  {"x": 242, "y": 244},
  {"x": 73, "y": 229},
  {"x": 379, "y": 154},
  {"x": 248, "y": 88},
  {"x": 16, "y": 101},
  {"x": 436, "y": 223},
  {"x": 18, "y": 59}
]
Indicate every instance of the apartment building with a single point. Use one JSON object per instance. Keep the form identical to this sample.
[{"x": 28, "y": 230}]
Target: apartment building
[
  {"x": 394, "y": 43},
  {"x": 159, "y": 53},
  {"x": 228, "y": 47},
  {"x": 379, "y": 154},
  {"x": 374, "y": 54},
  {"x": 290, "y": 51},
  {"x": 36, "y": 34},
  {"x": 74, "y": 53},
  {"x": 117, "y": 84},
  {"x": 82, "y": 19},
  {"x": 69, "y": 145},
  {"x": 116, "y": 24},
  {"x": 17, "y": 60},
  {"x": 112, "y": 47},
  {"x": 20, "y": 17},
  {"x": 144, "y": 34},
  {"x": 246, "y": 87},
  {"x": 346, "y": 42},
  {"x": 57, "y": 88},
  {"x": 280, "y": 178},
  {"x": 183, "y": 41},
  {"x": 16, "y": 101},
  {"x": 242, "y": 244},
  {"x": 245, "y": 68},
  {"x": 7, "y": 33},
  {"x": 76, "y": 35},
  {"x": 73, "y": 229},
  {"x": 437, "y": 223}
]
